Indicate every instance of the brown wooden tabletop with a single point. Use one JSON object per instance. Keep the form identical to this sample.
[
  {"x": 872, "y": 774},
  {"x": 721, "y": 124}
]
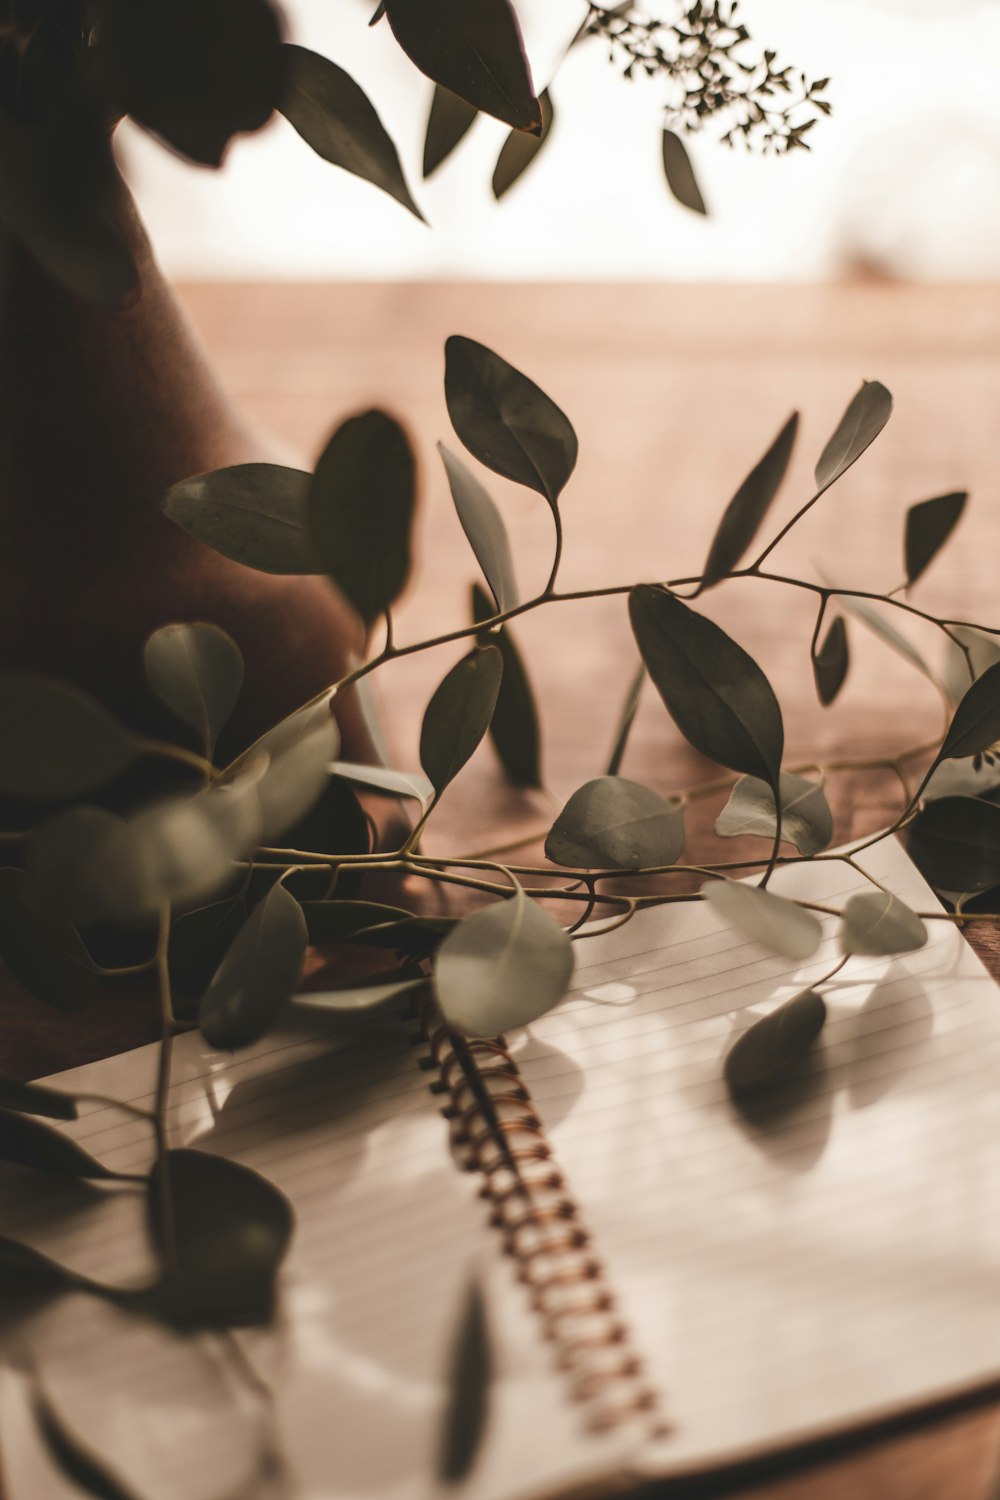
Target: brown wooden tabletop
[{"x": 675, "y": 392}]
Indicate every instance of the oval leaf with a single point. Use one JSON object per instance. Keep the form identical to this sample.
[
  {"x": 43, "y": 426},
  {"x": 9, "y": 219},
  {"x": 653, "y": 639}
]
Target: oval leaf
[
  {"x": 716, "y": 694},
  {"x": 616, "y": 824},
  {"x": 976, "y": 724},
  {"x": 197, "y": 671},
  {"x": 338, "y": 120},
  {"x": 470, "y": 1377},
  {"x": 252, "y": 513},
  {"x": 361, "y": 511},
  {"x": 502, "y": 967},
  {"x": 831, "y": 661},
  {"x": 358, "y": 998},
  {"x": 878, "y": 923},
  {"x": 298, "y": 752},
  {"x": 520, "y": 149},
  {"x": 955, "y": 843},
  {"x": 769, "y": 920},
  {"x": 29, "y": 1143},
  {"x": 44, "y": 955},
  {"x": 200, "y": 938},
  {"x": 879, "y": 624},
  {"x": 58, "y": 741},
  {"x": 506, "y": 421},
  {"x": 857, "y": 429},
  {"x": 806, "y": 819},
  {"x": 514, "y": 728},
  {"x": 258, "y": 975},
  {"x": 748, "y": 507},
  {"x": 232, "y": 1229},
  {"x": 459, "y": 715},
  {"x": 679, "y": 173},
  {"x": 449, "y": 121},
  {"x": 484, "y": 527},
  {"x": 476, "y": 51},
  {"x": 385, "y": 779},
  {"x": 35, "y": 1099},
  {"x": 928, "y": 527},
  {"x": 769, "y": 1049}
]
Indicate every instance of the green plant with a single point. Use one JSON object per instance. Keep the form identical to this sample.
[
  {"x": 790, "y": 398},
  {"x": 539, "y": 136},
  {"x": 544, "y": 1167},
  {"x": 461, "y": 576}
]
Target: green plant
[
  {"x": 241, "y": 870},
  {"x": 198, "y": 73}
]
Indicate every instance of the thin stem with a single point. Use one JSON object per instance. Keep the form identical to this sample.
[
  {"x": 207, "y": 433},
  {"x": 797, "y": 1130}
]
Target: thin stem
[
  {"x": 755, "y": 566},
  {"x": 548, "y": 591},
  {"x": 168, "y": 1233}
]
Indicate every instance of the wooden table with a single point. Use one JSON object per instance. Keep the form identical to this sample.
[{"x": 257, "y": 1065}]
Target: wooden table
[{"x": 675, "y": 392}]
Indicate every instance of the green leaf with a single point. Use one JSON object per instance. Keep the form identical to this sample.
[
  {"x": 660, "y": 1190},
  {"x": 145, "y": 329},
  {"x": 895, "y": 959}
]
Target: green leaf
[
  {"x": 299, "y": 752},
  {"x": 514, "y": 728},
  {"x": 336, "y": 824},
  {"x": 506, "y": 421},
  {"x": 88, "y": 865},
  {"x": 58, "y": 741},
  {"x": 768, "y": 920},
  {"x": 484, "y": 527},
  {"x": 199, "y": 939},
  {"x": 857, "y": 429},
  {"x": 358, "y": 998},
  {"x": 361, "y": 511},
  {"x": 769, "y": 1049},
  {"x": 831, "y": 661},
  {"x": 384, "y": 779},
  {"x": 716, "y": 694},
  {"x": 928, "y": 527},
  {"x": 616, "y": 824},
  {"x": 35, "y": 1099},
  {"x": 962, "y": 778},
  {"x": 975, "y": 726},
  {"x": 46, "y": 956},
  {"x": 520, "y": 149},
  {"x": 29, "y": 1143},
  {"x": 459, "y": 714},
  {"x": 416, "y": 937},
  {"x": 955, "y": 843},
  {"x": 679, "y": 173},
  {"x": 748, "y": 507},
  {"x": 470, "y": 1379},
  {"x": 878, "y": 923},
  {"x": 252, "y": 513},
  {"x": 502, "y": 967},
  {"x": 336, "y": 118},
  {"x": 232, "y": 1229},
  {"x": 806, "y": 819},
  {"x": 881, "y": 626},
  {"x": 258, "y": 975},
  {"x": 476, "y": 51},
  {"x": 449, "y": 121},
  {"x": 197, "y": 671},
  {"x": 338, "y": 921},
  {"x": 626, "y": 720},
  {"x": 194, "y": 72}
]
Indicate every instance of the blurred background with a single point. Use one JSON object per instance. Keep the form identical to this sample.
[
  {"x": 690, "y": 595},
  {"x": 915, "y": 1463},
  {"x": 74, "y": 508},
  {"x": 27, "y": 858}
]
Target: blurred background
[{"x": 899, "y": 183}]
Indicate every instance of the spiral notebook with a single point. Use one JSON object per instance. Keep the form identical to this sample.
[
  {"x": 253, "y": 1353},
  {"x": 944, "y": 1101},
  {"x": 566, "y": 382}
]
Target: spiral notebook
[{"x": 672, "y": 1286}]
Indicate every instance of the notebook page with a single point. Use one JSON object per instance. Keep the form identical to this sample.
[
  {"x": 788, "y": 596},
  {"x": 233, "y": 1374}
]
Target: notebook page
[
  {"x": 832, "y": 1259},
  {"x": 388, "y": 1232}
]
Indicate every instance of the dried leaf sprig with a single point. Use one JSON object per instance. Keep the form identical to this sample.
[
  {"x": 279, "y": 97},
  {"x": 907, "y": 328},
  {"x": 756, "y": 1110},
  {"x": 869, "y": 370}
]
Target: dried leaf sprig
[{"x": 703, "y": 58}]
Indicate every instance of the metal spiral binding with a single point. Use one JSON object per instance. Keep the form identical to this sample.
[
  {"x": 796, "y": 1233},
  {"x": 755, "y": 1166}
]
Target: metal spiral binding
[{"x": 496, "y": 1132}]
